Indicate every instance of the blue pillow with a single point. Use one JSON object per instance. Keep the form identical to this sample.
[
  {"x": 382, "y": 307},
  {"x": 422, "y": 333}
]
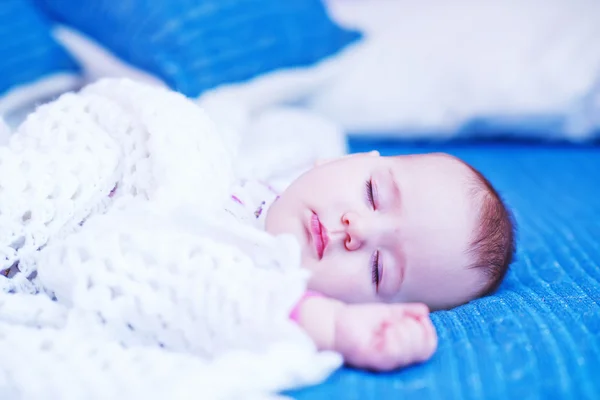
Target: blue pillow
[
  {"x": 195, "y": 45},
  {"x": 28, "y": 52}
]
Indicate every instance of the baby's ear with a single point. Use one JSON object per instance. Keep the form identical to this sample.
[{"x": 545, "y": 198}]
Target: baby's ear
[{"x": 373, "y": 153}]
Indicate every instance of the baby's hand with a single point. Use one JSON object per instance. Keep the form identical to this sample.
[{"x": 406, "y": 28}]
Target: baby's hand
[{"x": 384, "y": 336}]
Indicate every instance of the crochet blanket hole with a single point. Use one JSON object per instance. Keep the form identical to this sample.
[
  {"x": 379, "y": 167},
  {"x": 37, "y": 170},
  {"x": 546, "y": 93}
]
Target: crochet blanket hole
[
  {"x": 26, "y": 218},
  {"x": 84, "y": 255},
  {"x": 18, "y": 243},
  {"x": 115, "y": 292},
  {"x": 46, "y": 345},
  {"x": 76, "y": 194}
]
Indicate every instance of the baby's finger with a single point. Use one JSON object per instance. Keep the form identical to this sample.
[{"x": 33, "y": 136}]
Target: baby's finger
[
  {"x": 399, "y": 345},
  {"x": 432, "y": 338},
  {"x": 418, "y": 344},
  {"x": 414, "y": 310},
  {"x": 428, "y": 340},
  {"x": 418, "y": 310},
  {"x": 418, "y": 339},
  {"x": 401, "y": 341},
  {"x": 407, "y": 341}
]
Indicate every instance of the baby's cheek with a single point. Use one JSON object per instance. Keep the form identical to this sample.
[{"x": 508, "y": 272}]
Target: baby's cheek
[{"x": 338, "y": 279}]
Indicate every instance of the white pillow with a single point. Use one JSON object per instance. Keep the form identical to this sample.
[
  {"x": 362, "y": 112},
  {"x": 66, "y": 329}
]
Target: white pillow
[
  {"x": 430, "y": 66},
  {"x": 4, "y": 132}
]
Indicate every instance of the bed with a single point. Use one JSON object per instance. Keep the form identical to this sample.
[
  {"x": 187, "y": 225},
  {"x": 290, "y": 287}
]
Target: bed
[{"x": 539, "y": 335}]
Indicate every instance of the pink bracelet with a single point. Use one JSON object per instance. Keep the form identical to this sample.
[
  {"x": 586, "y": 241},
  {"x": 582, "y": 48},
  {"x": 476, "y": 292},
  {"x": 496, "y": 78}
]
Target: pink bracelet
[{"x": 295, "y": 314}]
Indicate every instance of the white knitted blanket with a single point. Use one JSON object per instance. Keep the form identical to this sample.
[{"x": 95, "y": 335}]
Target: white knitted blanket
[{"x": 126, "y": 280}]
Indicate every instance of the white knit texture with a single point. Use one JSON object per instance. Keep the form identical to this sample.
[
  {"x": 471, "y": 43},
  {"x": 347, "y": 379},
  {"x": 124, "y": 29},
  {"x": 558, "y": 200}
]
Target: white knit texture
[{"x": 112, "y": 204}]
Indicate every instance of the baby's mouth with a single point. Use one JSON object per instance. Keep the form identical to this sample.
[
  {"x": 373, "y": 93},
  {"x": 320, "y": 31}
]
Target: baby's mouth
[{"x": 318, "y": 233}]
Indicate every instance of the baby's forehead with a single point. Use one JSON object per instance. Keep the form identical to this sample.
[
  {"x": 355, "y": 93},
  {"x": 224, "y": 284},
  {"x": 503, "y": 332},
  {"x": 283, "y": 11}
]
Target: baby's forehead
[
  {"x": 439, "y": 165},
  {"x": 444, "y": 159},
  {"x": 454, "y": 182}
]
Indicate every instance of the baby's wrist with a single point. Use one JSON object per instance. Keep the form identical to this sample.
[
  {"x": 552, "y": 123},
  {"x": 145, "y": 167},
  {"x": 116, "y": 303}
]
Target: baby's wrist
[
  {"x": 295, "y": 313},
  {"x": 317, "y": 315}
]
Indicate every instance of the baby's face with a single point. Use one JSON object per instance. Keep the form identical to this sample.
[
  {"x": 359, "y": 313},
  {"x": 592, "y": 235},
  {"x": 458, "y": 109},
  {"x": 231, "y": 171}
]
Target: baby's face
[{"x": 385, "y": 229}]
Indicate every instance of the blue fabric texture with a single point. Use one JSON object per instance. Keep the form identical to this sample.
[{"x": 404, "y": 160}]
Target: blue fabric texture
[
  {"x": 538, "y": 337},
  {"x": 195, "y": 45},
  {"x": 28, "y": 53}
]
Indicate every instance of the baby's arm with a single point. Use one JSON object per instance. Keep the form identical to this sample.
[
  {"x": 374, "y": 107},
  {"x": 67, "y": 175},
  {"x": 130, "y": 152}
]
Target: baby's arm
[{"x": 372, "y": 336}]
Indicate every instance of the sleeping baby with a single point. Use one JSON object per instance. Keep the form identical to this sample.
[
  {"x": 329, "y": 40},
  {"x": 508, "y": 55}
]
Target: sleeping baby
[{"x": 385, "y": 239}]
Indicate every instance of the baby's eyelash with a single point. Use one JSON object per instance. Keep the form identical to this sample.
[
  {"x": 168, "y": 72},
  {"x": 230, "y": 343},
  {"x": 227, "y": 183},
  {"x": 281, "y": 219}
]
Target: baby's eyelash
[
  {"x": 369, "y": 190},
  {"x": 375, "y": 270}
]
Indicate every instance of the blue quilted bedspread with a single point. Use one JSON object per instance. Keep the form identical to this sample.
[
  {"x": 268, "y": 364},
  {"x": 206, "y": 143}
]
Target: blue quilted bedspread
[{"x": 539, "y": 336}]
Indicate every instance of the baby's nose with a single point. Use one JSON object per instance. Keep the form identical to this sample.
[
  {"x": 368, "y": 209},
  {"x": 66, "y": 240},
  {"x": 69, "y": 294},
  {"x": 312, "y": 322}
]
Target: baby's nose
[
  {"x": 352, "y": 243},
  {"x": 356, "y": 231}
]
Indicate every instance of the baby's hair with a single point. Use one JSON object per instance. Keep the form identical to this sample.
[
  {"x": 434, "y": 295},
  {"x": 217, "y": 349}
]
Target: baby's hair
[{"x": 494, "y": 244}]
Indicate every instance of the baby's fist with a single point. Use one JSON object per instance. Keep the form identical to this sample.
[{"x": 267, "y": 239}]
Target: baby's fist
[{"x": 384, "y": 336}]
